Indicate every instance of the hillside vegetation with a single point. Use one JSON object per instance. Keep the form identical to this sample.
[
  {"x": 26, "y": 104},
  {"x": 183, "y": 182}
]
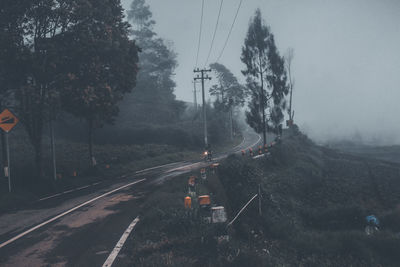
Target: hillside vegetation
[{"x": 314, "y": 204}]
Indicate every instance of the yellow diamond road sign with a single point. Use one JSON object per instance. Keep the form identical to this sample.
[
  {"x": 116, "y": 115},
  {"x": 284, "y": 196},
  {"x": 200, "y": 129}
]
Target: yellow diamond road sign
[{"x": 7, "y": 120}]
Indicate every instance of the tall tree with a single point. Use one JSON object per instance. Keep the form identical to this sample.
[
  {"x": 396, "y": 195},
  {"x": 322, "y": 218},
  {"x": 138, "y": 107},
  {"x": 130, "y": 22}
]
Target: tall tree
[
  {"x": 153, "y": 101},
  {"x": 265, "y": 76},
  {"x": 277, "y": 83},
  {"x": 11, "y": 54},
  {"x": 229, "y": 92},
  {"x": 44, "y": 21},
  {"x": 101, "y": 64}
]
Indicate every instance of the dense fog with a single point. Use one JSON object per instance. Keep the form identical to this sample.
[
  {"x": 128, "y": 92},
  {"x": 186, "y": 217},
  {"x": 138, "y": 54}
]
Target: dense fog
[{"x": 346, "y": 61}]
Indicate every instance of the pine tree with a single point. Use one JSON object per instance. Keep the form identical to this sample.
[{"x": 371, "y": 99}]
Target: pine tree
[
  {"x": 153, "y": 100},
  {"x": 230, "y": 93},
  {"x": 228, "y": 89},
  {"x": 265, "y": 75}
]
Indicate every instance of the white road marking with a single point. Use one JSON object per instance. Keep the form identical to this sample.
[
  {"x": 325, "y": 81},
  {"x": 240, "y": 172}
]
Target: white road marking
[
  {"x": 56, "y": 195},
  {"x": 178, "y": 168},
  {"x": 65, "y": 213},
  {"x": 138, "y": 172},
  {"x": 157, "y": 167},
  {"x": 244, "y": 139},
  {"x": 96, "y": 198},
  {"x": 68, "y": 191},
  {"x": 259, "y": 138},
  {"x": 113, "y": 255},
  {"x": 83, "y": 187},
  {"x": 201, "y": 163}
]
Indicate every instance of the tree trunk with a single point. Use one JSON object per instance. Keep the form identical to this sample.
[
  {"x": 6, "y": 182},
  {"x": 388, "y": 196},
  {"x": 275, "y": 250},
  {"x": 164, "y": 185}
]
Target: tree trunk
[
  {"x": 90, "y": 141},
  {"x": 290, "y": 103},
  {"x": 263, "y": 110},
  {"x": 231, "y": 122},
  {"x": 38, "y": 158}
]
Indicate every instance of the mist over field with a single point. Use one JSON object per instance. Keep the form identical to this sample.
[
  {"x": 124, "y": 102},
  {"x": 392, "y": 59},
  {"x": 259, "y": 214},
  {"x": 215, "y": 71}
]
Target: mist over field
[{"x": 346, "y": 62}]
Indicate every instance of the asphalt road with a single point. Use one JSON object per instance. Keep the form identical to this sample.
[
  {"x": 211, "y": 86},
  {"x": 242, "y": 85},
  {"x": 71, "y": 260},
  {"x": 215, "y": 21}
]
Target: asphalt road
[{"x": 82, "y": 227}]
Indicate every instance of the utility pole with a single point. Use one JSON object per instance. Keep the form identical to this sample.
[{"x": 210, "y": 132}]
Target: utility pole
[
  {"x": 8, "y": 170},
  {"x": 195, "y": 96},
  {"x": 202, "y": 78}
]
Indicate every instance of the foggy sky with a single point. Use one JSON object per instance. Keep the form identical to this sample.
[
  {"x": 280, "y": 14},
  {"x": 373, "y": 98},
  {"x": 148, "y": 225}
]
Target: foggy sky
[{"x": 346, "y": 65}]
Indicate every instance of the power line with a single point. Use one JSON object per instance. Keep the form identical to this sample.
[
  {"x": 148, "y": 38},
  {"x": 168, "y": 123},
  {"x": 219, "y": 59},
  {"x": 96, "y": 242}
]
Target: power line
[
  {"x": 201, "y": 29},
  {"x": 230, "y": 31},
  {"x": 215, "y": 32}
]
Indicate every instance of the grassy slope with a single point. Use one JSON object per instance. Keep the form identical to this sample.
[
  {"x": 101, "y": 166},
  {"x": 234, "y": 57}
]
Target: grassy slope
[{"x": 314, "y": 204}]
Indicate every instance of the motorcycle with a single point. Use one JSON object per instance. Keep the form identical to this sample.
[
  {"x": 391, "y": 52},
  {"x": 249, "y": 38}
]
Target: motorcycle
[{"x": 207, "y": 156}]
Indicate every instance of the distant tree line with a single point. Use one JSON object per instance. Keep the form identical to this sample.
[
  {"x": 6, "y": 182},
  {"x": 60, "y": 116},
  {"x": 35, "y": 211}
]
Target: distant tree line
[{"x": 153, "y": 100}]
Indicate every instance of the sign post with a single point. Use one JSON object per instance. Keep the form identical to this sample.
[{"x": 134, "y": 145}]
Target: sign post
[
  {"x": 8, "y": 121},
  {"x": 7, "y": 168}
]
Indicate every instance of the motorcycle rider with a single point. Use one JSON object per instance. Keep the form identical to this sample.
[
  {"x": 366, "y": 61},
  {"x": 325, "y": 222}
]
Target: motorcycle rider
[{"x": 209, "y": 152}]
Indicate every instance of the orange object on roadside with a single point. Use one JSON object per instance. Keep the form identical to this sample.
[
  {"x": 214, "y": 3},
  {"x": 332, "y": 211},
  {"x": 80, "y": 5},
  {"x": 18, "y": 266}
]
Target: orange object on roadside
[
  {"x": 188, "y": 202},
  {"x": 74, "y": 174},
  {"x": 243, "y": 153},
  {"x": 204, "y": 200},
  {"x": 251, "y": 151},
  {"x": 107, "y": 166}
]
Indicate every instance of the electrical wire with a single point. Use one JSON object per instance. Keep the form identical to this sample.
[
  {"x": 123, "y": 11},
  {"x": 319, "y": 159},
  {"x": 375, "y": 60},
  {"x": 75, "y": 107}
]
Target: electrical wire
[
  {"x": 201, "y": 29},
  {"x": 230, "y": 32},
  {"x": 215, "y": 32}
]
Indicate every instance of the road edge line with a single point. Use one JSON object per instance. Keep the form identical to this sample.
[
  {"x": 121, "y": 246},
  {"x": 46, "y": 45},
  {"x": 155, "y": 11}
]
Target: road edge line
[
  {"x": 114, "y": 253},
  {"x": 65, "y": 213}
]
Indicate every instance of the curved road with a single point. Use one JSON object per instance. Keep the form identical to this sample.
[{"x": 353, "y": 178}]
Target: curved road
[{"x": 81, "y": 227}]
